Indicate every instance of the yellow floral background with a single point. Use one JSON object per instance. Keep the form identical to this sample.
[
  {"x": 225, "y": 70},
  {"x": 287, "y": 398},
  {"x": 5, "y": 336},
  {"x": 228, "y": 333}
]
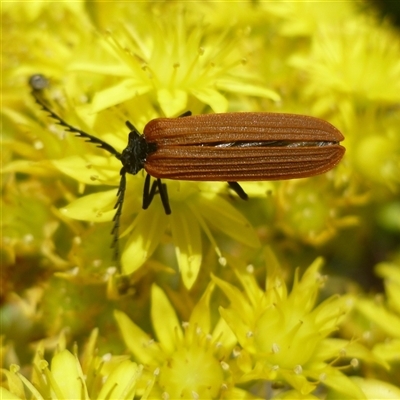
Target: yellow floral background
[{"x": 293, "y": 294}]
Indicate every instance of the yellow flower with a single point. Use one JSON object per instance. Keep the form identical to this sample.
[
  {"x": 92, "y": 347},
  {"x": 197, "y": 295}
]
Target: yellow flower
[
  {"x": 310, "y": 211},
  {"x": 385, "y": 316},
  {"x": 192, "y": 360},
  {"x": 69, "y": 378},
  {"x": 374, "y": 149},
  {"x": 284, "y": 336},
  {"x": 350, "y": 66},
  {"x": 304, "y": 18},
  {"x": 108, "y": 62},
  {"x": 178, "y": 66}
]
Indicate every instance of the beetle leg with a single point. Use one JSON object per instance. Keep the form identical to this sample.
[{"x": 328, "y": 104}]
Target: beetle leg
[
  {"x": 156, "y": 188},
  {"x": 162, "y": 189},
  {"x": 148, "y": 192},
  {"x": 238, "y": 190},
  {"x": 185, "y": 114}
]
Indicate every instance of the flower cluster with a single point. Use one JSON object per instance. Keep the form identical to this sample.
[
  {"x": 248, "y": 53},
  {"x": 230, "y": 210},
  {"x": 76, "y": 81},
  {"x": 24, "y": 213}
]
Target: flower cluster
[{"x": 204, "y": 308}]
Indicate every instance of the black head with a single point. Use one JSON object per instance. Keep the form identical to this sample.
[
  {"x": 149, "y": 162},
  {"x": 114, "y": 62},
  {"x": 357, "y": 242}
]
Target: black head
[{"x": 134, "y": 155}]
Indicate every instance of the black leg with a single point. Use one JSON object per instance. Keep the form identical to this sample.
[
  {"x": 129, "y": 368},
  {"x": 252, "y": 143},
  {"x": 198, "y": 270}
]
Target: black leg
[
  {"x": 238, "y": 190},
  {"x": 185, "y": 114},
  {"x": 150, "y": 192},
  {"x": 162, "y": 188},
  {"x": 117, "y": 216}
]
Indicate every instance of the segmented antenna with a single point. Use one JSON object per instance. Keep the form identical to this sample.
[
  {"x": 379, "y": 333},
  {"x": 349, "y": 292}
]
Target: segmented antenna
[
  {"x": 38, "y": 83},
  {"x": 117, "y": 216}
]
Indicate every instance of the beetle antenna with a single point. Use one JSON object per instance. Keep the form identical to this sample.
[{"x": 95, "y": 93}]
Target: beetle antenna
[
  {"x": 117, "y": 216},
  {"x": 38, "y": 83}
]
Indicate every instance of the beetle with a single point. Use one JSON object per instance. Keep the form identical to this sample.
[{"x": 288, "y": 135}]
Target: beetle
[{"x": 231, "y": 147}]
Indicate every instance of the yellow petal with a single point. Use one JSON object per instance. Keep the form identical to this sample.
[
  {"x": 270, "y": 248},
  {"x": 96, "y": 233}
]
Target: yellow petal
[
  {"x": 119, "y": 93},
  {"x": 376, "y": 389},
  {"x": 122, "y": 382},
  {"x": 200, "y": 316},
  {"x": 388, "y": 321},
  {"x": 67, "y": 374},
  {"x": 14, "y": 383},
  {"x": 148, "y": 229},
  {"x": 6, "y": 395},
  {"x": 187, "y": 241},
  {"x": 213, "y": 98},
  {"x": 236, "y": 86},
  {"x": 96, "y": 207},
  {"x": 341, "y": 384},
  {"x": 90, "y": 169},
  {"x": 172, "y": 102},
  {"x": 226, "y": 218},
  {"x": 165, "y": 321},
  {"x": 138, "y": 342},
  {"x": 38, "y": 168},
  {"x": 388, "y": 350}
]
